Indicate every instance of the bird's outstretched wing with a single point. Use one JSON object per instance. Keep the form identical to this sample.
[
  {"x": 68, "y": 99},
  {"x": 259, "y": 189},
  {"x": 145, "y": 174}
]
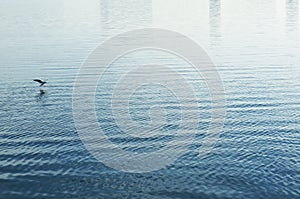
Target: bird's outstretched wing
[{"x": 38, "y": 80}]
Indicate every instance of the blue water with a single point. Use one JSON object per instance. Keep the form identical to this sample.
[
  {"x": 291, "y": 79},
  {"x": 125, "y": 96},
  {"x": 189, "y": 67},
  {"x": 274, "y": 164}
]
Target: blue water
[{"x": 255, "y": 47}]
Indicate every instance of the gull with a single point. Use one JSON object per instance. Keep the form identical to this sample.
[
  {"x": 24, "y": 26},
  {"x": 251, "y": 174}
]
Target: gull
[{"x": 40, "y": 81}]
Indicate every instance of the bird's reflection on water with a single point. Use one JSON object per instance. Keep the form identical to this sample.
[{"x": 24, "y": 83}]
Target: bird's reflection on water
[{"x": 41, "y": 95}]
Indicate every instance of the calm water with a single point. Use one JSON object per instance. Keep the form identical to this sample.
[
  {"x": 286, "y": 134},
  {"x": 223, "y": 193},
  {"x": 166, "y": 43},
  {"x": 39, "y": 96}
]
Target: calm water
[{"x": 255, "y": 46}]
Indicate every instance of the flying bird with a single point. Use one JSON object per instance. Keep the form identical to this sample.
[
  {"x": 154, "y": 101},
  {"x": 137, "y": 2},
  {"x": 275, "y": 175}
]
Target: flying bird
[{"x": 40, "y": 81}]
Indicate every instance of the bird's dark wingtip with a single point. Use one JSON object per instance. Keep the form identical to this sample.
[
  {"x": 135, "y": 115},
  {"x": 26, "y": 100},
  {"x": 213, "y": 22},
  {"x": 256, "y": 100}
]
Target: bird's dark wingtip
[{"x": 38, "y": 80}]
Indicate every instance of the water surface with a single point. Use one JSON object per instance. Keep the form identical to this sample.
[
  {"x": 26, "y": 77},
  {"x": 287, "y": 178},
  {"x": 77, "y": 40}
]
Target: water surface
[{"x": 255, "y": 46}]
